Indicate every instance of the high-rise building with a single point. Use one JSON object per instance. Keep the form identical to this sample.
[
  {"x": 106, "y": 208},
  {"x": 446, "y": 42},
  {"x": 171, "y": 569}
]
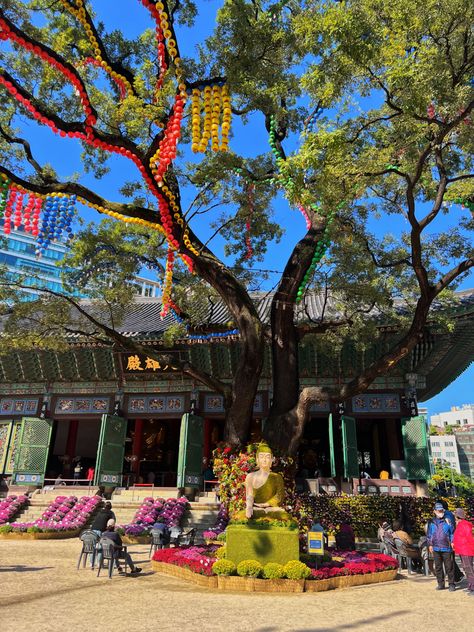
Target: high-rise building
[
  {"x": 444, "y": 450},
  {"x": 18, "y": 254},
  {"x": 465, "y": 443},
  {"x": 457, "y": 416}
]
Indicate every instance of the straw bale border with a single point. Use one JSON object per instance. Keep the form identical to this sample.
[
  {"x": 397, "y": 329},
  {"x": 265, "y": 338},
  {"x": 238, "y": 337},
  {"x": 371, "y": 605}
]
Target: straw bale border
[{"x": 249, "y": 584}]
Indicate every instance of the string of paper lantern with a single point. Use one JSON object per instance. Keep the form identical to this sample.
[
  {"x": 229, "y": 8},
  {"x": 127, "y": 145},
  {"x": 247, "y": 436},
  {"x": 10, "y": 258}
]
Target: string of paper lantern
[
  {"x": 4, "y": 193},
  {"x": 80, "y": 14},
  {"x": 168, "y": 282},
  {"x": 214, "y": 101},
  {"x": 160, "y": 43},
  {"x": 119, "y": 82},
  {"x": 167, "y": 148}
]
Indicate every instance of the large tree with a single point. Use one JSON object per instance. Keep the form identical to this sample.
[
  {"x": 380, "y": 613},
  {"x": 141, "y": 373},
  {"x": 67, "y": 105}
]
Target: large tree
[{"x": 366, "y": 106}]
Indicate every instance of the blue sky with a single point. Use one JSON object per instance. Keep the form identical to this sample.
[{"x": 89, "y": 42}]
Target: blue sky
[{"x": 50, "y": 148}]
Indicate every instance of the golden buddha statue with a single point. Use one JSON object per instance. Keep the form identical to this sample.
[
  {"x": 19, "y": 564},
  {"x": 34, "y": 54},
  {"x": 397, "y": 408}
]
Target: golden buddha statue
[{"x": 264, "y": 489}]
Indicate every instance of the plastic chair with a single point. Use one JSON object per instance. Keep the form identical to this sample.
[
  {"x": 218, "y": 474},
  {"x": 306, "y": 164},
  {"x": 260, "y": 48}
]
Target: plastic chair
[
  {"x": 157, "y": 540},
  {"x": 108, "y": 551},
  {"x": 187, "y": 537},
  {"x": 89, "y": 547},
  {"x": 175, "y": 533},
  {"x": 408, "y": 554}
]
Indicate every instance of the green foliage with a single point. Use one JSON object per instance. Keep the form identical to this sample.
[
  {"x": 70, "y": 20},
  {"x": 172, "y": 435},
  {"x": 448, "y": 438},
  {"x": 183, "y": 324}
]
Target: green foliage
[
  {"x": 390, "y": 150},
  {"x": 223, "y": 567},
  {"x": 296, "y": 570},
  {"x": 33, "y": 529},
  {"x": 249, "y": 568},
  {"x": 272, "y": 570},
  {"x": 221, "y": 537},
  {"x": 366, "y": 513},
  {"x": 6, "y": 528},
  {"x": 447, "y": 478}
]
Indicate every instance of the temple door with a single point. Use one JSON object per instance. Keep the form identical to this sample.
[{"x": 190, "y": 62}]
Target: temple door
[
  {"x": 415, "y": 446},
  {"x": 349, "y": 447},
  {"x": 191, "y": 440},
  {"x": 33, "y": 449},
  {"x": 111, "y": 449}
]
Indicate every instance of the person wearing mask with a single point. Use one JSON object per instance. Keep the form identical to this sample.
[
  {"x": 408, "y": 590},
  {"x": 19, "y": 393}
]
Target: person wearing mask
[
  {"x": 463, "y": 545},
  {"x": 450, "y": 516},
  {"x": 439, "y": 535}
]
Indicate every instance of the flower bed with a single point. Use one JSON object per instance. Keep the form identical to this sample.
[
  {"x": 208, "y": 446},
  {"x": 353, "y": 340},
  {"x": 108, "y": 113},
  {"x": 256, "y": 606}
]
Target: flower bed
[
  {"x": 10, "y": 506},
  {"x": 346, "y": 563},
  {"x": 220, "y": 525},
  {"x": 343, "y": 570},
  {"x": 169, "y": 511},
  {"x": 198, "y": 559},
  {"x": 66, "y": 514}
]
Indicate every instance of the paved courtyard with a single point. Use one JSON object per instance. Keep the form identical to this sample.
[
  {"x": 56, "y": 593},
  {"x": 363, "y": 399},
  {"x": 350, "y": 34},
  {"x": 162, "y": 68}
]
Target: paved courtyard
[{"x": 40, "y": 591}]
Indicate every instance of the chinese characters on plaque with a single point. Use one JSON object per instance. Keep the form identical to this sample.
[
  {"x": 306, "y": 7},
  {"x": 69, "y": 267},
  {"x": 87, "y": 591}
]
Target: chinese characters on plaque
[
  {"x": 156, "y": 404},
  {"x": 82, "y": 405},
  {"x": 385, "y": 403},
  {"x": 135, "y": 362}
]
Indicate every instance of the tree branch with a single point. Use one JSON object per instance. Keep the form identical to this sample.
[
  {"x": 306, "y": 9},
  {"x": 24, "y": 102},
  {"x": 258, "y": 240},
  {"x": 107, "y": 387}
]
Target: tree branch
[{"x": 130, "y": 345}]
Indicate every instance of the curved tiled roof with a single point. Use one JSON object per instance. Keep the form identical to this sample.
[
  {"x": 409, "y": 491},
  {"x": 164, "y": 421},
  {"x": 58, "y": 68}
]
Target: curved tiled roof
[{"x": 143, "y": 317}]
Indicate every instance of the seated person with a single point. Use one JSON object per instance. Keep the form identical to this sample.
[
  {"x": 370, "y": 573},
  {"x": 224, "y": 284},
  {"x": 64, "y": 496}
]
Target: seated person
[
  {"x": 345, "y": 538},
  {"x": 120, "y": 554},
  {"x": 402, "y": 535},
  {"x": 99, "y": 524},
  {"x": 264, "y": 490},
  {"x": 163, "y": 528}
]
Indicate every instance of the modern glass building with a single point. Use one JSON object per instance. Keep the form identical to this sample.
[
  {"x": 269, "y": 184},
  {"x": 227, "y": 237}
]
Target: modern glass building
[{"x": 17, "y": 253}]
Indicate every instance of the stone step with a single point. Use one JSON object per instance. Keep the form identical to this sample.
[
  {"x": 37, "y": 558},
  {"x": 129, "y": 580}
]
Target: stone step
[
  {"x": 207, "y": 498},
  {"x": 137, "y": 494}
]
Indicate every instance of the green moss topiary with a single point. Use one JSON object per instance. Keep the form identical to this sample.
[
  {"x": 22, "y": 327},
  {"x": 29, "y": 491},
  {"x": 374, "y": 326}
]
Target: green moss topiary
[
  {"x": 223, "y": 567},
  {"x": 249, "y": 568},
  {"x": 272, "y": 570},
  {"x": 296, "y": 570},
  {"x": 220, "y": 553}
]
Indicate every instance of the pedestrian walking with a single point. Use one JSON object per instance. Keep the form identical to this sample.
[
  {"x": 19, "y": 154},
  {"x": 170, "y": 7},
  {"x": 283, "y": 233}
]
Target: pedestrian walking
[
  {"x": 440, "y": 534},
  {"x": 463, "y": 544}
]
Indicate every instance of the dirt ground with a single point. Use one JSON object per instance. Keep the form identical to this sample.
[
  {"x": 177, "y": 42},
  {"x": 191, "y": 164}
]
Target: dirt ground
[{"x": 41, "y": 591}]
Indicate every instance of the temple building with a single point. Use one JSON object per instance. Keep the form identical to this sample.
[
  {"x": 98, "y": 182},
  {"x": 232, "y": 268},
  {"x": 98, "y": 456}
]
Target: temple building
[{"x": 130, "y": 418}]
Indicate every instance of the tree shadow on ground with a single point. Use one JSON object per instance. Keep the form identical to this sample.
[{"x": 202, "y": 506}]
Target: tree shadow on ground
[
  {"x": 20, "y": 568},
  {"x": 361, "y": 623}
]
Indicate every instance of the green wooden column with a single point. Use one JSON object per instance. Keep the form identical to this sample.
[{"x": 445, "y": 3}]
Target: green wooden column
[
  {"x": 110, "y": 452},
  {"x": 191, "y": 441},
  {"x": 349, "y": 447},
  {"x": 33, "y": 450},
  {"x": 415, "y": 446}
]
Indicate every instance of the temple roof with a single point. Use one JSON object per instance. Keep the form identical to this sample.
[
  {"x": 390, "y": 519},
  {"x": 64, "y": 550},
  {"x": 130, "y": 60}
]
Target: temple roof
[
  {"x": 438, "y": 358},
  {"x": 142, "y": 319}
]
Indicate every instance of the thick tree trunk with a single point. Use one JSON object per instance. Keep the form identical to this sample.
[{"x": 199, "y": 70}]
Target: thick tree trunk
[
  {"x": 283, "y": 420},
  {"x": 241, "y": 396}
]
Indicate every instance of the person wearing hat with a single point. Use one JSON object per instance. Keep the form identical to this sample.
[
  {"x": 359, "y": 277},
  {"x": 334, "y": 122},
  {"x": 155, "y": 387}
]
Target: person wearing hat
[
  {"x": 120, "y": 553},
  {"x": 463, "y": 544},
  {"x": 439, "y": 535}
]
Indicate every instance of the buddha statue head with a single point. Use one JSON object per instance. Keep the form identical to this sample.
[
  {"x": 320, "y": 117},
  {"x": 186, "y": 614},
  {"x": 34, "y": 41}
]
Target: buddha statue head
[{"x": 264, "y": 457}]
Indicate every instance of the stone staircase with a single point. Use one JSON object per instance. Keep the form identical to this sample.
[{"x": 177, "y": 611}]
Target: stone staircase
[
  {"x": 200, "y": 514},
  {"x": 137, "y": 494}
]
